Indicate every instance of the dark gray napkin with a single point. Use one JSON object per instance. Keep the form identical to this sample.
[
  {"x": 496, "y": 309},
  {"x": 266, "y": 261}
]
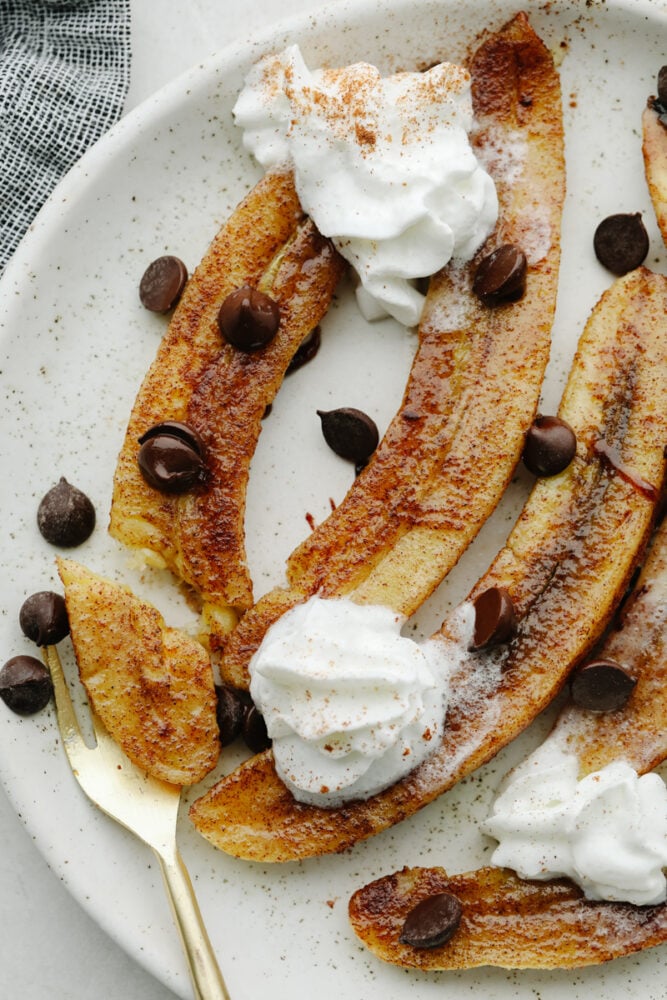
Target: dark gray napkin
[{"x": 64, "y": 74}]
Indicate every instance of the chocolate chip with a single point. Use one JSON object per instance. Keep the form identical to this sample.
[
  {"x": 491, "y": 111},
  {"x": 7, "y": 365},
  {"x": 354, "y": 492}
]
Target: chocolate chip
[
  {"x": 662, "y": 85},
  {"x": 495, "y": 619},
  {"x": 254, "y": 730},
  {"x": 230, "y": 713},
  {"x": 602, "y": 686},
  {"x": 171, "y": 464},
  {"x": 43, "y": 618},
  {"x": 660, "y": 110},
  {"x": 248, "y": 319},
  {"x": 621, "y": 242},
  {"x": 162, "y": 284},
  {"x": 351, "y": 433},
  {"x": 306, "y": 351},
  {"x": 25, "y": 685},
  {"x": 174, "y": 428},
  {"x": 65, "y": 515},
  {"x": 432, "y": 922},
  {"x": 550, "y": 446},
  {"x": 501, "y": 275}
]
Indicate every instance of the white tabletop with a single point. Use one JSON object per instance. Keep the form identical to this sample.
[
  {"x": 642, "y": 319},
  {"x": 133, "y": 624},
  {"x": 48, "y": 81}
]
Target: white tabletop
[{"x": 49, "y": 947}]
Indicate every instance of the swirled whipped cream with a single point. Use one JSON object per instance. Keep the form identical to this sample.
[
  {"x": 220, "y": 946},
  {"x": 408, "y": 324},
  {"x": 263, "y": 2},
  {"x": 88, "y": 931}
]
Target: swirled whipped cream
[
  {"x": 350, "y": 704},
  {"x": 607, "y": 831},
  {"x": 383, "y": 166}
]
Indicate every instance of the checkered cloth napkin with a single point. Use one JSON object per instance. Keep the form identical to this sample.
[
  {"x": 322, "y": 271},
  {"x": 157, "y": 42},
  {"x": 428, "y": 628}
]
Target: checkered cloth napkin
[{"x": 64, "y": 73}]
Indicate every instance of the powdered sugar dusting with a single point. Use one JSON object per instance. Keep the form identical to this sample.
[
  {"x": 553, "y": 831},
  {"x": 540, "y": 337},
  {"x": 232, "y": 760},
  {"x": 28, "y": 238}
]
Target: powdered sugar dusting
[
  {"x": 454, "y": 307},
  {"x": 502, "y": 153}
]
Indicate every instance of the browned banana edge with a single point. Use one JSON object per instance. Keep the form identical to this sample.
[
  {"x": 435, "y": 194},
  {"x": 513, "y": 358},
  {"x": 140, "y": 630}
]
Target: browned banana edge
[
  {"x": 654, "y": 148},
  {"x": 516, "y": 923},
  {"x": 440, "y": 470},
  {"x": 195, "y": 378},
  {"x": 566, "y": 564}
]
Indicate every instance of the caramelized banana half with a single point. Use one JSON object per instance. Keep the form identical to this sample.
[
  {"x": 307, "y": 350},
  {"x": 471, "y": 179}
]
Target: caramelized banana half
[
  {"x": 441, "y": 467},
  {"x": 506, "y": 922},
  {"x": 654, "y": 148},
  {"x": 151, "y": 686},
  {"x": 566, "y": 565},
  {"x": 519, "y": 924},
  {"x": 222, "y": 393}
]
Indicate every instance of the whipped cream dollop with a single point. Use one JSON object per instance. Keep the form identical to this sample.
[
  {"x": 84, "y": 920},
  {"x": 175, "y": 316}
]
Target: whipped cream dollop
[
  {"x": 607, "y": 831},
  {"x": 350, "y": 704},
  {"x": 383, "y": 166}
]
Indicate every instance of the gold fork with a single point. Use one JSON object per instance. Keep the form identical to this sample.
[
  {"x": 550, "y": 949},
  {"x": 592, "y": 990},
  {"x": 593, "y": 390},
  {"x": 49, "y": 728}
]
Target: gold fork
[{"x": 149, "y": 809}]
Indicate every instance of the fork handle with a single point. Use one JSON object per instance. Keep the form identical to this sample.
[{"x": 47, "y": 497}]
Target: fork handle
[{"x": 207, "y": 981}]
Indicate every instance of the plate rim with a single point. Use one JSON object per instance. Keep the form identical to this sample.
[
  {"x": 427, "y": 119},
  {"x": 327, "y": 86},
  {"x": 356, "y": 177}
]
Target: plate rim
[{"x": 171, "y": 95}]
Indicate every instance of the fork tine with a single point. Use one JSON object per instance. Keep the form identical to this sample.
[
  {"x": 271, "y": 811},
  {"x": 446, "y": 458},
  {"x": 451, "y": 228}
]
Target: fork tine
[{"x": 68, "y": 723}]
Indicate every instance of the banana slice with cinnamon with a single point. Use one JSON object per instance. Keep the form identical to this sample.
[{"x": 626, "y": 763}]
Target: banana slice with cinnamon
[
  {"x": 654, "y": 148},
  {"x": 513, "y": 923},
  {"x": 505, "y": 922},
  {"x": 441, "y": 469},
  {"x": 152, "y": 686},
  {"x": 565, "y": 565},
  {"x": 221, "y": 393}
]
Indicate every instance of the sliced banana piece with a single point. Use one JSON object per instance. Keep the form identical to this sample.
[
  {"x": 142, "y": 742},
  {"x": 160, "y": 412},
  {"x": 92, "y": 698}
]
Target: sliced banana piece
[
  {"x": 519, "y": 924},
  {"x": 222, "y": 393},
  {"x": 566, "y": 565},
  {"x": 152, "y": 686},
  {"x": 654, "y": 148},
  {"x": 505, "y": 922},
  {"x": 440, "y": 469}
]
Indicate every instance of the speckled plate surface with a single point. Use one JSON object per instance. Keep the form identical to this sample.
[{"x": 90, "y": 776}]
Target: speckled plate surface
[{"x": 75, "y": 344}]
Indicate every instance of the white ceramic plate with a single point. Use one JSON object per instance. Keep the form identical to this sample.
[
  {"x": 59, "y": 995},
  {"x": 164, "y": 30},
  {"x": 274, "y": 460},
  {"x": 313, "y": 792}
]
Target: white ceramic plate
[{"x": 75, "y": 345}]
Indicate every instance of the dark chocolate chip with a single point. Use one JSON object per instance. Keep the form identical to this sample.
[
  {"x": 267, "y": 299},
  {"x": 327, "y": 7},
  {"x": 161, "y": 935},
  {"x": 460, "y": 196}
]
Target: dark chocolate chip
[
  {"x": 550, "y": 446},
  {"x": 351, "y": 433},
  {"x": 43, "y": 618},
  {"x": 230, "y": 712},
  {"x": 660, "y": 108},
  {"x": 495, "y": 619},
  {"x": 662, "y": 85},
  {"x": 174, "y": 428},
  {"x": 501, "y": 275},
  {"x": 602, "y": 686},
  {"x": 306, "y": 350},
  {"x": 254, "y": 730},
  {"x": 621, "y": 242},
  {"x": 25, "y": 685},
  {"x": 170, "y": 464},
  {"x": 432, "y": 922},
  {"x": 65, "y": 515},
  {"x": 162, "y": 284},
  {"x": 248, "y": 319}
]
